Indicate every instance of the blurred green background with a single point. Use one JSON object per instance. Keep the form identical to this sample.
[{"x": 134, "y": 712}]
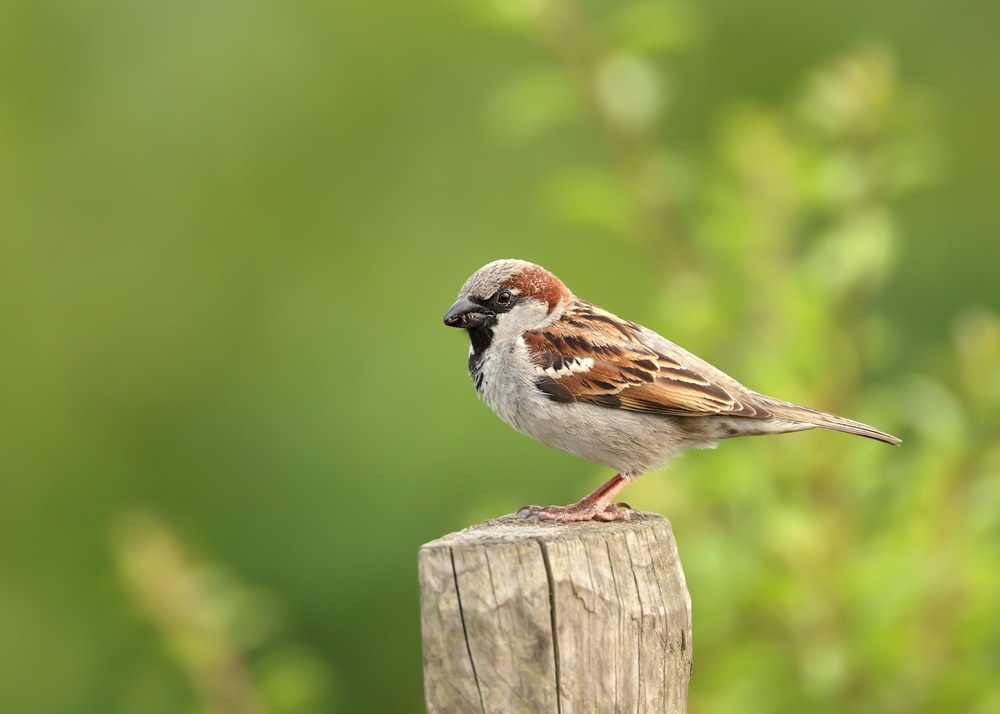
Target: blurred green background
[{"x": 231, "y": 414}]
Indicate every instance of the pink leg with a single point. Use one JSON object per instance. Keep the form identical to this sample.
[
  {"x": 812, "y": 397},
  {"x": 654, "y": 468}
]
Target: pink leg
[{"x": 598, "y": 506}]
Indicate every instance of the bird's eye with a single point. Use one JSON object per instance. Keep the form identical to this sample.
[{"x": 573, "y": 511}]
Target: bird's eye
[{"x": 504, "y": 297}]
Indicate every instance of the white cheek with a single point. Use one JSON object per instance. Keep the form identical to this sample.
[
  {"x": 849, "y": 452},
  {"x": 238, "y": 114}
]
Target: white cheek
[{"x": 529, "y": 314}]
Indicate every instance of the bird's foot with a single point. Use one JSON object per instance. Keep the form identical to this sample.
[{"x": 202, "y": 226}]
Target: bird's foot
[
  {"x": 596, "y": 506},
  {"x": 583, "y": 511}
]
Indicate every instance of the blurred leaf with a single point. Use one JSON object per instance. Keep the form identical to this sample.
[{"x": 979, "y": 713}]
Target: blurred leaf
[
  {"x": 532, "y": 103},
  {"x": 188, "y": 611},
  {"x": 630, "y": 90},
  {"x": 913, "y": 161},
  {"x": 850, "y": 96},
  {"x": 858, "y": 252},
  {"x": 977, "y": 346},
  {"x": 513, "y": 12},
  {"x": 212, "y": 623},
  {"x": 934, "y": 412},
  {"x": 654, "y": 26},
  {"x": 295, "y": 680}
]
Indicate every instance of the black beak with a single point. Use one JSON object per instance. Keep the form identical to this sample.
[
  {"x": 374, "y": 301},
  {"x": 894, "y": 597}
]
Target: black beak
[{"x": 466, "y": 314}]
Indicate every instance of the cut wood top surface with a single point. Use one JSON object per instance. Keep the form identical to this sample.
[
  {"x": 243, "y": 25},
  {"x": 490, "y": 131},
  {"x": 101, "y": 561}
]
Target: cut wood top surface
[{"x": 515, "y": 527}]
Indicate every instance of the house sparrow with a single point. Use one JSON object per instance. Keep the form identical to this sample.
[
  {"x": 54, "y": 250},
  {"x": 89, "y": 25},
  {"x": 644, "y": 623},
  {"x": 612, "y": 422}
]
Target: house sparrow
[{"x": 578, "y": 378}]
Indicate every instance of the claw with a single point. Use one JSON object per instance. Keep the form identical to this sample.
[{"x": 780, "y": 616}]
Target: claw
[
  {"x": 577, "y": 512},
  {"x": 595, "y": 507}
]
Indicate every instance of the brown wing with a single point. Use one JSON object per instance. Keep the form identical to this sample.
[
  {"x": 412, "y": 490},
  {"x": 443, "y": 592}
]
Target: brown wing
[{"x": 613, "y": 369}]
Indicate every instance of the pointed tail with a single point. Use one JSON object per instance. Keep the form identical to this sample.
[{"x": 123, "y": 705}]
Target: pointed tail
[{"x": 826, "y": 420}]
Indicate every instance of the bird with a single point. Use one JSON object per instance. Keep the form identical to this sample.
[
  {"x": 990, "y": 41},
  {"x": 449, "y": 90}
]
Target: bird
[{"x": 576, "y": 377}]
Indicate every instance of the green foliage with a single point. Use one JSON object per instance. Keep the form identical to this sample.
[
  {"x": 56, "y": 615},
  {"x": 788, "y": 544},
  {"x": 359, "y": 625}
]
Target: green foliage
[
  {"x": 228, "y": 232},
  {"x": 210, "y": 622},
  {"x": 825, "y": 576}
]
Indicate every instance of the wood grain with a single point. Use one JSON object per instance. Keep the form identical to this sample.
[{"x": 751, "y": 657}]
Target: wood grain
[{"x": 526, "y": 616}]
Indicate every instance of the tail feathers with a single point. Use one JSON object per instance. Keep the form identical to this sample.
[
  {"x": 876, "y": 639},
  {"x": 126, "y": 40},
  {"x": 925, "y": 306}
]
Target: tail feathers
[
  {"x": 825, "y": 420},
  {"x": 849, "y": 426}
]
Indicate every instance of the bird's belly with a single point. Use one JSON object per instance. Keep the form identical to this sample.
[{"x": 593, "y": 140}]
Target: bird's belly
[{"x": 629, "y": 443}]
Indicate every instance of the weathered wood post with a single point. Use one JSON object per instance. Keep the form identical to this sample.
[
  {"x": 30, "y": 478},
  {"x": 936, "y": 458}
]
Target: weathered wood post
[{"x": 527, "y": 616}]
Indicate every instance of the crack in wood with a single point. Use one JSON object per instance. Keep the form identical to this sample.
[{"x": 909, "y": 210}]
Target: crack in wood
[
  {"x": 465, "y": 631},
  {"x": 552, "y": 613}
]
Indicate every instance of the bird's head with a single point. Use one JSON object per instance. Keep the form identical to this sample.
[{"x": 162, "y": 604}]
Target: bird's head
[{"x": 506, "y": 297}]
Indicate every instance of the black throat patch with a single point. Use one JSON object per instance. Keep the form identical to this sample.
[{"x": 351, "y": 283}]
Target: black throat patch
[{"x": 481, "y": 337}]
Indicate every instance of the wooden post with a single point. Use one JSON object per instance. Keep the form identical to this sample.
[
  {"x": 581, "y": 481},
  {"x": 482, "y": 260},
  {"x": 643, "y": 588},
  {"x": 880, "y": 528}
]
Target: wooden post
[{"x": 526, "y": 616}]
